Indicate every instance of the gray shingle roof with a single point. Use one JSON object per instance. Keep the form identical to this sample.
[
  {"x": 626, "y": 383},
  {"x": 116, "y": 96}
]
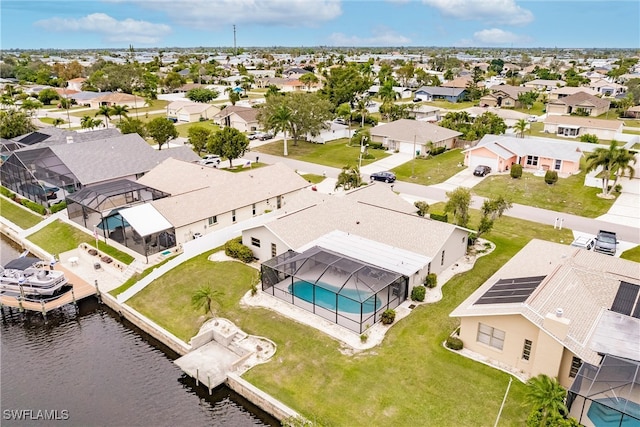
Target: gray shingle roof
[
  {"x": 406, "y": 130},
  {"x": 104, "y": 159}
]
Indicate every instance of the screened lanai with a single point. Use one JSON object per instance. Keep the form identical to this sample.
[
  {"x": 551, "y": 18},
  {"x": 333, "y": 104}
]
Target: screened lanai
[
  {"x": 607, "y": 395},
  {"x": 349, "y": 292},
  {"x": 98, "y": 208},
  {"x": 35, "y": 173}
]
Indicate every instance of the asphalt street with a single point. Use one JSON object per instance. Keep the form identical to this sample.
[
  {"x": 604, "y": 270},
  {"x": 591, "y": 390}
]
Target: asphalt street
[{"x": 542, "y": 216}]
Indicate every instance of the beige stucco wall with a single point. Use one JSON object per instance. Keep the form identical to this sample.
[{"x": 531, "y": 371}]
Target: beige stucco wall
[
  {"x": 267, "y": 238},
  {"x": 556, "y": 109},
  {"x": 548, "y": 355}
]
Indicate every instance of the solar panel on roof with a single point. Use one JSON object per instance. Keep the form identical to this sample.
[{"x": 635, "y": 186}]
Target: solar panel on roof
[
  {"x": 626, "y": 298},
  {"x": 506, "y": 291}
]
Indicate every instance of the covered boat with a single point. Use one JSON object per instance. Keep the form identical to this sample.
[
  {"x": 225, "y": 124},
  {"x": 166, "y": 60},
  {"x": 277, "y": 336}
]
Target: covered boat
[{"x": 27, "y": 276}]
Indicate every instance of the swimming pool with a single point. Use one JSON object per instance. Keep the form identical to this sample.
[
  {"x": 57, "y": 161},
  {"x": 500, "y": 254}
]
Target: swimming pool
[
  {"x": 607, "y": 416},
  {"x": 326, "y": 297}
]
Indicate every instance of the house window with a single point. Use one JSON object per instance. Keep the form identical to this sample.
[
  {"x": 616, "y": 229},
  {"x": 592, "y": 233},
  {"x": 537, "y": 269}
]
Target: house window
[
  {"x": 213, "y": 220},
  {"x": 558, "y": 165},
  {"x": 278, "y": 202},
  {"x": 429, "y": 268},
  {"x": 576, "y": 362},
  {"x": 526, "y": 350},
  {"x": 442, "y": 259},
  {"x": 274, "y": 250},
  {"x": 233, "y": 215},
  {"x": 255, "y": 242},
  {"x": 490, "y": 336},
  {"x": 253, "y": 209},
  {"x": 532, "y": 160}
]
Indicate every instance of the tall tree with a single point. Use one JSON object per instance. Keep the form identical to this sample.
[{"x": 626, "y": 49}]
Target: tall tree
[
  {"x": 161, "y": 130},
  {"x": 198, "y": 138},
  {"x": 492, "y": 209},
  {"x": 119, "y": 110},
  {"x": 47, "y": 95},
  {"x": 622, "y": 166},
  {"x": 14, "y": 123},
  {"x": 528, "y": 98},
  {"x": 201, "y": 95},
  {"x": 348, "y": 178},
  {"x": 611, "y": 160},
  {"x": 520, "y": 127},
  {"x": 343, "y": 84},
  {"x": 281, "y": 122},
  {"x": 131, "y": 125},
  {"x": 458, "y": 204},
  {"x": 545, "y": 394},
  {"x": 309, "y": 79},
  {"x": 228, "y": 142},
  {"x": 105, "y": 111}
]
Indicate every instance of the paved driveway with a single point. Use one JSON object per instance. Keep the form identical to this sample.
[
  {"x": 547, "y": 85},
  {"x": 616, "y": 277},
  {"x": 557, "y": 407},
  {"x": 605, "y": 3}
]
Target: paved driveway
[{"x": 464, "y": 178}]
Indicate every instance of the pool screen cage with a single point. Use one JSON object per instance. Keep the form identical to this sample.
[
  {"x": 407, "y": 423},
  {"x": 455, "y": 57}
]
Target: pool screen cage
[
  {"x": 346, "y": 291},
  {"x": 610, "y": 391}
]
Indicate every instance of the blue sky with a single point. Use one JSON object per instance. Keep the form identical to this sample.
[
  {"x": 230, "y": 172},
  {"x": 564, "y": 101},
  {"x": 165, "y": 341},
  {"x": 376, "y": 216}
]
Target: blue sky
[{"x": 71, "y": 24}]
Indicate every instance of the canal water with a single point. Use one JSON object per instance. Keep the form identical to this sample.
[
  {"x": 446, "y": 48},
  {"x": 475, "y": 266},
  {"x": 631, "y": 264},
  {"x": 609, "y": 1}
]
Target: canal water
[{"x": 85, "y": 367}]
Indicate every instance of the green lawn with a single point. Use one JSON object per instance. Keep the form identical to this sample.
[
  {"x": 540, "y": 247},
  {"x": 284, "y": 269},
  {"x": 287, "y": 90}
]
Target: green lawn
[
  {"x": 237, "y": 167},
  {"x": 432, "y": 170},
  {"x": 59, "y": 237},
  {"x": 632, "y": 254},
  {"x": 156, "y": 104},
  {"x": 313, "y": 178},
  {"x": 183, "y": 129},
  {"x": 410, "y": 379},
  {"x": 168, "y": 299},
  {"x": 536, "y": 109},
  {"x": 335, "y": 153},
  {"x": 450, "y": 105},
  {"x": 568, "y": 195},
  {"x": 137, "y": 277},
  {"x": 20, "y": 217},
  {"x": 49, "y": 120}
]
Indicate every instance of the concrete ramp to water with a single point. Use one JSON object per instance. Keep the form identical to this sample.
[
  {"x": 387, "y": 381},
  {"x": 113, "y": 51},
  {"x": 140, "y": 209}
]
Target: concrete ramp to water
[{"x": 208, "y": 364}]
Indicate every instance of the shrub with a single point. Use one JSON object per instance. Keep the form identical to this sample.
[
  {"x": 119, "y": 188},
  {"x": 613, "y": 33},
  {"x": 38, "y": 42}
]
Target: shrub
[
  {"x": 617, "y": 188},
  {"x": 439, "y": 217},
  {"x": 368, "y": 156},
  {"x": 454, "y": 343},
  {"x": 254, "y": 289},
  {"x": 418, "y": 293},
  {"x": 588, "y": 137},
  {"x": 6, "y": 192},
  {"x": 388, "y": 316},
  {"x": 516, "y": 171},
  {"x": 235, "y": 249},
  {"x": 551, "y": 177},
  {"x": 431, "y": 281},
  {"x": 422, "y": 206},
  {"x": 364, "y": 338},
  {"x": 34, "y": 206},
  {"x": 437, "y": 150},
  {"x": 376, "y": 145},
  {"x": 58, "y": 207}
]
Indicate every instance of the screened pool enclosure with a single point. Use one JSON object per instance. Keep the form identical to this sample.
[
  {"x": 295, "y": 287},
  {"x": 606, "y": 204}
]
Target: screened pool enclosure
[{"x": 341, "y": 289}]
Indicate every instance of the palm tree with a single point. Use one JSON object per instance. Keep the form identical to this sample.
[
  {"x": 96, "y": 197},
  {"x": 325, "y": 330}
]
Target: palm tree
[
  {"x": 280, "y": 121},
  {"x": 95, "y": 123},
  {"x": 611, "y": 159},
  {"x": 203, "y": 298},
  {"x": 119, "y": 110},
  {"x": 86, "y": 122},
  {"x": 520, "y": 127},
  {"x": 272, "y": 90},
  {"x": 546, "y": 395},
  {"x": 361, "y": 108},
  {"x": 105, "y": 111},
  {"x": 387, "y": 94},
  {"x": 622, "y": 165}
]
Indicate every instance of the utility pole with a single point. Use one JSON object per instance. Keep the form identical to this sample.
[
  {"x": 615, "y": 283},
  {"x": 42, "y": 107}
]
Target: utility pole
[{"x": 413, "y": 163}]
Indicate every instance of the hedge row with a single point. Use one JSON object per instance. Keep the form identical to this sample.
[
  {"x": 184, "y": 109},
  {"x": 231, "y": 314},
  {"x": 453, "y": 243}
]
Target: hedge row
[
  {"x": 34, "y": 206},
  {"x": 58, "y": 207},
  {"x": 439, "y": 217}
]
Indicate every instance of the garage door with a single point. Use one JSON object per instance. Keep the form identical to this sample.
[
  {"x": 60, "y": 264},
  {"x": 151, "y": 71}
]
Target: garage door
[
  {"x": 183, "y": 117},
  {"x": 492, "y": 162},
  {"x": 407, "y": 148}
]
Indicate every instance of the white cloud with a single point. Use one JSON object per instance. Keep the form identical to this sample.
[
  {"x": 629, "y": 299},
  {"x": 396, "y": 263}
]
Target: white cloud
[
  {"x": 112, "y": 30},
  {"x": 496, "y": 36},
  {"x": 212, "y": 15},
  {"x": 382, "y": 36},
  {"x": 503, "y": 12}
]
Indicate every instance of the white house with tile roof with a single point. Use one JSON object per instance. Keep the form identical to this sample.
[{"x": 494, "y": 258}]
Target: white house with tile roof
[
  {"x": 204, "y": 199},
  {"x": 407, "y": 135}
]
